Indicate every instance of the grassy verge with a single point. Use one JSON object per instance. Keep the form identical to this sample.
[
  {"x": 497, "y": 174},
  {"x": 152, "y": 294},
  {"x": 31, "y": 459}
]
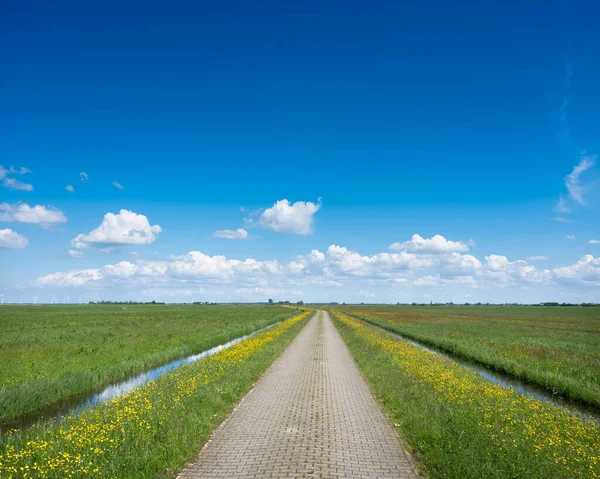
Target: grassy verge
[
  {"x": 462, "y": 426},
  {"x": 153, "y": 431},
  {"x": 49, "y": 353},
  {"x": 555, "y": 348}
]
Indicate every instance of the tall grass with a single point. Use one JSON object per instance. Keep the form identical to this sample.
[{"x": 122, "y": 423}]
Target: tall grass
[
  {"x": 49, "y": 353},
  {"x": 555, "y": 348},
  {"x": 462, "y": 426},
  {"x": 153, "y": 431}
]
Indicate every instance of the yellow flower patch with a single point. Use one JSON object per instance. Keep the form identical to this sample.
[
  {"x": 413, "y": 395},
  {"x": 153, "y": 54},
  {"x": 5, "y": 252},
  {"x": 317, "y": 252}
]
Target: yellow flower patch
[{"x": 511, "y": 422}]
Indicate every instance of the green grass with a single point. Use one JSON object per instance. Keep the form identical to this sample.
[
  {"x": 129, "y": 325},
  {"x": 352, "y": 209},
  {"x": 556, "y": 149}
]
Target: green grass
[
  {"x": 153, "y": 431},
  {"x": 461, "y": 426},
  {"x": 557, "y": 348},
  {"x": 49, "y": 353}
]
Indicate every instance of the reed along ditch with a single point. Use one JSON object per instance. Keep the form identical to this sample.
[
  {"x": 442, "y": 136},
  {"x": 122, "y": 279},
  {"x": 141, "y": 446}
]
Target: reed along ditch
[
  {"x": 586, "y": 413},
  {"x": 75, "y": 404}
]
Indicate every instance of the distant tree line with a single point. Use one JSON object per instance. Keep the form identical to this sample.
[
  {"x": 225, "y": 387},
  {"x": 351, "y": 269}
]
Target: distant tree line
[{"x": 126, "y": 302}]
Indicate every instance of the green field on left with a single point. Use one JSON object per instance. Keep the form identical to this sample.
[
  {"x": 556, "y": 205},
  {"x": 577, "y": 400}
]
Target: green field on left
[{"x": 50, "y": 353}]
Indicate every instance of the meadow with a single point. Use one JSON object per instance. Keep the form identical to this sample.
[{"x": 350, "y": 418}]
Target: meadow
[
  {"x": 49, "y": 353},
  {"x": 556, "y": 348},
  {"x": 460, "y": 425},
  {"x": 154, "y": 430}
]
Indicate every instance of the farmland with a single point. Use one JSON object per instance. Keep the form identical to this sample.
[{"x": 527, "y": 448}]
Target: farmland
[
  {"x": 154, "y": 430},
  {"x": 557, "y": 348},
  {"x": 461, "y": 425},
  {"x": 49, "y": 353}
]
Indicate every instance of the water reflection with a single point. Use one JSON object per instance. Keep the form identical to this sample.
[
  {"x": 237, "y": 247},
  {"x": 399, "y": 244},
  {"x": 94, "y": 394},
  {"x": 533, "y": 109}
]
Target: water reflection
[
  {"x": 76, "y": 404},
  {"x": 541, "y": 394}
]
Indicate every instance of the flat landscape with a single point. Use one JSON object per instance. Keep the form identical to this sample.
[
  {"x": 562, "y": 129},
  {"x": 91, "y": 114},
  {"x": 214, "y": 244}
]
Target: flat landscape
[
  {"x": 306, "y": 409},
  {"x": 457, "y": 422},
  {"x": 557, "y": 348},
  {"x": 49, "y": 353}
]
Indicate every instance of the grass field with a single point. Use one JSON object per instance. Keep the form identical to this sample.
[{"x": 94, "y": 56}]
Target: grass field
[
  {"x": 49, "y": 353},
  {"x": 153, "y": 431},
  {"x": 557, "y": 348},
  {"x": 462, "y": 426}
]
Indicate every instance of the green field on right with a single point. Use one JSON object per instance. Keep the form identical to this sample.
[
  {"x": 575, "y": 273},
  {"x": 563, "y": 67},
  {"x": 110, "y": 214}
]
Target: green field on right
[{"x": 556, "y": 348}]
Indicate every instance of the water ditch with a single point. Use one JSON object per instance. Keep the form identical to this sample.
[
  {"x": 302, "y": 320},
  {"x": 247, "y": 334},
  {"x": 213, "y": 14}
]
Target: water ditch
[
  {"x": 75, "y": 404},
  {"x": 584, "y": 412}
]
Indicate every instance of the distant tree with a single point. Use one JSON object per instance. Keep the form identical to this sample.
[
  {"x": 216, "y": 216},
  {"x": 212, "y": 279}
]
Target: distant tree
[{"x": 270, "y": 301}]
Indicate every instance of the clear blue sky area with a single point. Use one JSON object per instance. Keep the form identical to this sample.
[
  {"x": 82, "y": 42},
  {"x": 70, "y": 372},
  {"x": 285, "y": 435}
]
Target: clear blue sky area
[{"x": 376, "y": 121}]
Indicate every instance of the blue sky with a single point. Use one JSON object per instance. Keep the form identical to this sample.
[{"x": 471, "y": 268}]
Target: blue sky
[{"x": 342, "y": 128}]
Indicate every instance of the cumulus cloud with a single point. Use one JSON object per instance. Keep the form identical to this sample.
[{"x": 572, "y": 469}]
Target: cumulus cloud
[
  {"x": 502, "y": 270},
  {"x": 560, "y": 219},
  {"x": 594, "y": 241},
  {"x": 4, "y": 172},
  {"x": 239, "y": 234},
  {"x": 83, "y": 176},
  {"x": 124, "y": 228},
  {"x": 337, "y": 266},
  {"x": 571, "y": 237},
  {"x": 12, "y": 239},
  {"x": 285, "y": 217},
  {"x": 586, "y": 272},
  {"x": 73, "y": 253},
  {"x": 70, "y": 188},
  {"x": 44, "y": 216},
  {"x": 436, "y": 244},
  {"x": 537, "y": 258},
  {"x": 13, "y": 183},
  {"x": 118, "y": 185},
  {"x": 572, "y": 180}
]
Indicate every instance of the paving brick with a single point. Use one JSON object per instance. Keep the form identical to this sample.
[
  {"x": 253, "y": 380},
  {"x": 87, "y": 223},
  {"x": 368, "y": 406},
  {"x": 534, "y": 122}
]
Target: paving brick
[{"x": 311, "y": 415}]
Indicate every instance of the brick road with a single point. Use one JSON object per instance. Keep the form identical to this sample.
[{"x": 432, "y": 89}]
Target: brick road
[{"x": 311, "y": 415}]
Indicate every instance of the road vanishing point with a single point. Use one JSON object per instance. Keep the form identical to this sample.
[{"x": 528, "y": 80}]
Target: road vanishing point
[{"x": 311, "y": 415}]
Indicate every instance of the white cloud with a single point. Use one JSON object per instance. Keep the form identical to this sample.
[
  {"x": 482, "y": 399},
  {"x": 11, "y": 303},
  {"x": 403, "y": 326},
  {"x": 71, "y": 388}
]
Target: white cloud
[
  {"x": 109, "y": 250},
  {"x": 268, "y": 292},
  {"x": 12, "y": 239},
  {"x": 118, "y": 185},
  {"x": 70, "y": 188},
  {"x": 348, "y": 271},
  {"x": 83, "y": 176},
  {"x": 500, "y": 269},
  {"x": 124, "y": 228},
  {"x": 594, "y": 241},
  {"x": 537, "y": 258},
  {"x": 73, "y": 253},
  {"x": 560, "y": 219},
  {"x": 13, "y": 171},
  {"x": 239, "y": 234},
  {"x": 572, "y": 180},
  {"x": 562, "y": 205},
  {"x": 38, "y": 214},
  {"x": 133, "y": 254},
  {"x": 461, "y": 264},
  {"x": 571, "y": 237},
  {"x": 284, "y": 217},
  {"x": 14, "y": 184},
  {"x": 436, "y": 244},
  {"x": 586, "y": 272}
]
